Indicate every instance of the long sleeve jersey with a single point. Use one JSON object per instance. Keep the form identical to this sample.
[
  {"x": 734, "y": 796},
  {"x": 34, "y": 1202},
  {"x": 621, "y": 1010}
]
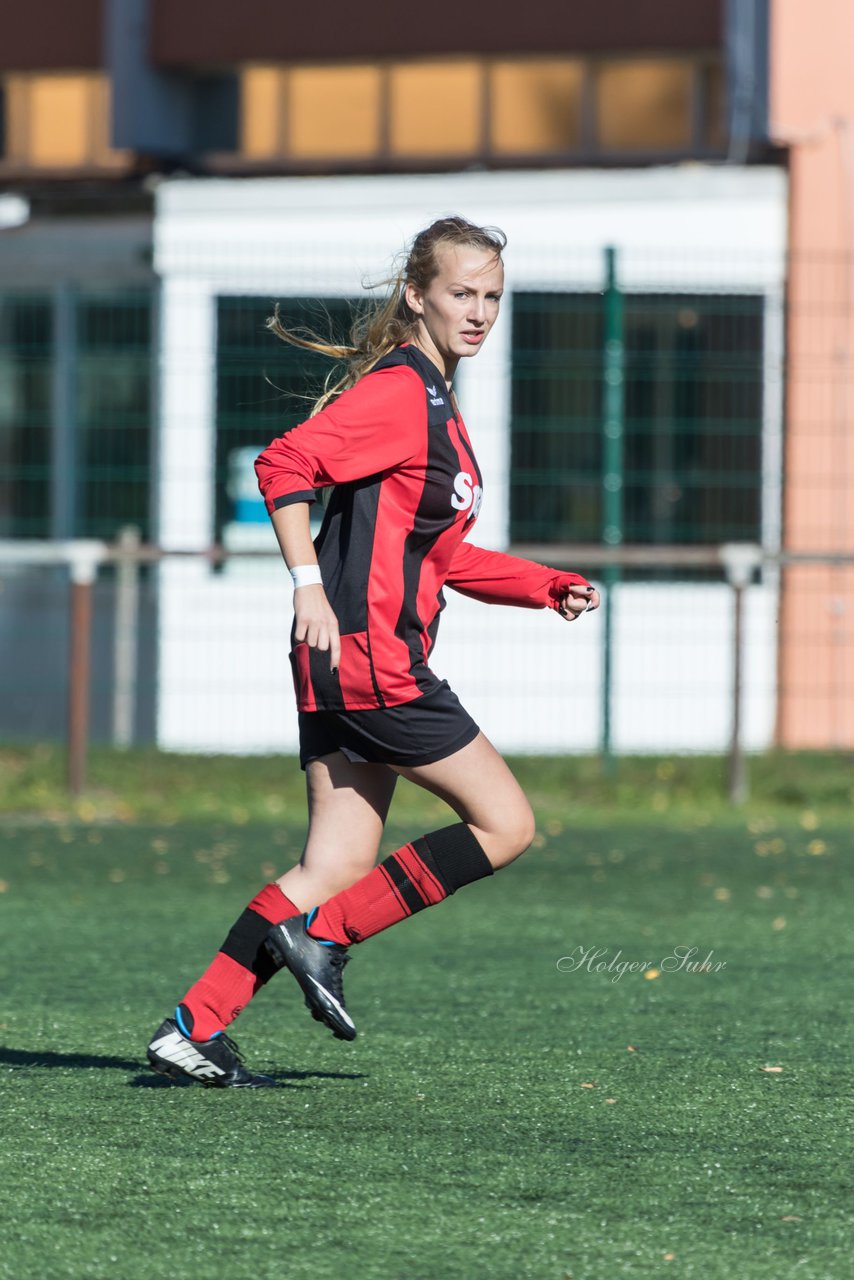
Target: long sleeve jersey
[{"x": 407, "y": 492}]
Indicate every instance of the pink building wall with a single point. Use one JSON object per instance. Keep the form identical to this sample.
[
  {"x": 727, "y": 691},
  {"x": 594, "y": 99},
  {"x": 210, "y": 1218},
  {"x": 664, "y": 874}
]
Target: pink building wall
[{"x": 812, "y": 114}]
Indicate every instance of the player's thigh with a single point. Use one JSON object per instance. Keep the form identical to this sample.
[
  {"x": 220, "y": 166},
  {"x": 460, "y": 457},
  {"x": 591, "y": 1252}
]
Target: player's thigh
[
  {"x": 347, "y": 807},
  {"x": 478, "y": 785}
]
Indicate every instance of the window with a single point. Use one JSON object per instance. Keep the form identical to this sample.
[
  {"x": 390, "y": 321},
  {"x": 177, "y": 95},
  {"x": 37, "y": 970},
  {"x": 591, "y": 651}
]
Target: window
[
  {"x": 693, "y": 418},
  {"x": 334, "y": 111},
  {"x": 265, "y": 386},
  {"x": 114, "y": 413},
  {"x": 482, "y": 110},
  {"x": 75, "y": 414},
  {"x": 435, "y": 108},
  {"x": 26, "y": 352},
  {"x": 311, "y": 112},
  {"x": 59, "y": 121},
  {"x": 261, "y": 112},
  {"x": 644, "y": 105},
  {"x": 536, "y": 105}
]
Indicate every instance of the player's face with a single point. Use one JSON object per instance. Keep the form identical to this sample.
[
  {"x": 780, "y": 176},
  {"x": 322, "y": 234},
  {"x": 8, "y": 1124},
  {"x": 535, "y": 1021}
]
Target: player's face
[{"x": 459, "y": 306}]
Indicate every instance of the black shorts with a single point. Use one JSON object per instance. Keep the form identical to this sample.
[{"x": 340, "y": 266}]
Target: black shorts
[{"x": 419, "y": 732}]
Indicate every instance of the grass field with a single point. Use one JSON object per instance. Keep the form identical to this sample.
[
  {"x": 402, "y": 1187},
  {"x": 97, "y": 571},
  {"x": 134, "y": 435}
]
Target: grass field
[{"x": 508, "y": 1112}]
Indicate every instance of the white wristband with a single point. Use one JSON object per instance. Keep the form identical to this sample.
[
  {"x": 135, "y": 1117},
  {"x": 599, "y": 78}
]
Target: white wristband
[{"x": 306, "y": 575}]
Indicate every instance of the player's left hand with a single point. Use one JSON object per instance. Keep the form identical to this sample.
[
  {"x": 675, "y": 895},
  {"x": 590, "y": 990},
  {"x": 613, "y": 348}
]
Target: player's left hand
[{"x": 577, "y": 600}]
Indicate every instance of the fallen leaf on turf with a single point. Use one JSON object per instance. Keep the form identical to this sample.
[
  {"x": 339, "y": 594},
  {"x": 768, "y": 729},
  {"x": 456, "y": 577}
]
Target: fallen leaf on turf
[
  {"x": 791, "y": 1217},
  {"x": 588, "y": 1086},
  {"x": 778, "y": 923},
  {"x": 4, "y": 886},
  {"x": 610, "y": 1099},
  {"x": 668, "y": 1257},
  {"x": 771, "y": 1069},
  {"x": 631, "y": 1048},
  {"x": 652, "y": 973},
  {"x": 722, "y": 895}
]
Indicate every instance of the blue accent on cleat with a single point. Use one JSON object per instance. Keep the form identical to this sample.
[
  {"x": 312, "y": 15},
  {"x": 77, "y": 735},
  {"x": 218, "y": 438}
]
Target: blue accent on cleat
[
  {"x": 324, "y": 942},
  {"x": 181, "y": 1024}
]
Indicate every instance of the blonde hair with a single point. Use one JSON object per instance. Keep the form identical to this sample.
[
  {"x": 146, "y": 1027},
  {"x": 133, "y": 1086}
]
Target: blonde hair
[{"x": 385, "y": 324}]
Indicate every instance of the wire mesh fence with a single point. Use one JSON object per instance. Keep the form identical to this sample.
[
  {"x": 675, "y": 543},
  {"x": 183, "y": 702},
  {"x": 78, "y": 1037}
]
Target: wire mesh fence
[{"x": 143, "y": 404}]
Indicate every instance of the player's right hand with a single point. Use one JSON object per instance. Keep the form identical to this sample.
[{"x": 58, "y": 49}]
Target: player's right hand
[{"x": 316, "y": 623}]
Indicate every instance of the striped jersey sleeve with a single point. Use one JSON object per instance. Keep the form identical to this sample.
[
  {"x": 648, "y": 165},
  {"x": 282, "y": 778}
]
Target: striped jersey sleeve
[
  {"x": 376, "y": 425},
  {"x": 495, "y": 577}
]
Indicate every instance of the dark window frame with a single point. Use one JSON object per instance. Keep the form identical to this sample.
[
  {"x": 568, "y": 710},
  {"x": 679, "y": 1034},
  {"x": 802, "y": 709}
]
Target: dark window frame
[{"x": 701, "y": 481}]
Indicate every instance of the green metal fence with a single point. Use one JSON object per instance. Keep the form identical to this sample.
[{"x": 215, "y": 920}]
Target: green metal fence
[
  {"x": 77, "y": 412},
  {"x": 693, "y": 405},
  {"x": 78, "y": 407},
  {"x": 265, "y": 386}
]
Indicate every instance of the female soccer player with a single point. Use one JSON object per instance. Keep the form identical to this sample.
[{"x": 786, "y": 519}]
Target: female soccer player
[{"x": 367, "y": 597}]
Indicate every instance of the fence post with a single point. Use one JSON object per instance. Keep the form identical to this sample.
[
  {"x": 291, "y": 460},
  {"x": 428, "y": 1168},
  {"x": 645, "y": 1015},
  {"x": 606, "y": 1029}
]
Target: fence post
[
  {"x": 83, "y": 563},
  {"x": 613, "y": 406},
  {"x": 63, "y": 446},
  {"x": 125, "y": 635},
  {"x": 739, "y": 560}
]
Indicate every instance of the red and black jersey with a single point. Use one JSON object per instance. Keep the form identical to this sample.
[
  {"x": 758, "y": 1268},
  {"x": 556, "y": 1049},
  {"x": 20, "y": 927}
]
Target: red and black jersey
[{"x": 407, "y": 491}]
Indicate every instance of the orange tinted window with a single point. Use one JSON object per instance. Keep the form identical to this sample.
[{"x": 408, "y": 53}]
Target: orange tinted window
[
  {"x": 435, "y": 108},
  {"x": 334, "y": 111},
  {"x": 644, "y": 105},
  {"x": 535, "y": 105}
]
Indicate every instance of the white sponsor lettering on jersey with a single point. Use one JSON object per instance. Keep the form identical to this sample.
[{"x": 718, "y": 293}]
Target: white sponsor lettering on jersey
[
  {"x": 174, "y": 1048},
  {"x": 466, "y": 494}
]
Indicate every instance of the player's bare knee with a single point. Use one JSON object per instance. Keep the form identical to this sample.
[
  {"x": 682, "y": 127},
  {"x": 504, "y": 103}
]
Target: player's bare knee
[
  {"x": 528, "y": 829},
  {"x": 511, "y": 836},
  {"x": 524, "y": 830}
]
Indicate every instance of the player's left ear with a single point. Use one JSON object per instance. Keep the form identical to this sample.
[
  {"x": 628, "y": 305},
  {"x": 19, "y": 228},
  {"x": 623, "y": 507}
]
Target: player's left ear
[{"x": 414, "y": 298}]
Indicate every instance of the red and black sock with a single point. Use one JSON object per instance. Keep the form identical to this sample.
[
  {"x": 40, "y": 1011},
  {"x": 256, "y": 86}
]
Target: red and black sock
[
  {"x": 239, "y": 969},
  {"x": 417, "y": 876}
]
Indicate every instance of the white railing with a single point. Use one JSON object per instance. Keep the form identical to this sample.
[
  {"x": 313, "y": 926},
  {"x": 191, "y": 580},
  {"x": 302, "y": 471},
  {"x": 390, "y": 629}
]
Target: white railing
[{"x": 84, "y": 558}]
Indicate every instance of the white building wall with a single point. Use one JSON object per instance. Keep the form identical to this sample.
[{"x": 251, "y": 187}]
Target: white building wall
[{"x": 532, "y": 681}]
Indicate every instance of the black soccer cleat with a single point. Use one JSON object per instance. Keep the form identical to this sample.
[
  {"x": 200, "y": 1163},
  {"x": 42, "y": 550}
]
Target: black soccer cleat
[
  {"x": 214, "y": 1063},
  {"x": 317, "y": 968}
]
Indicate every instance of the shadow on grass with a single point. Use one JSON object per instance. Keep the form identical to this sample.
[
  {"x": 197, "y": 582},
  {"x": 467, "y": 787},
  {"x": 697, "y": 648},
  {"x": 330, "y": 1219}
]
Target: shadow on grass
[
  {"x": 85, "y": 1061},
  {"x": 88, "y": 1062},
  {"x": 284, "y": 1079}
]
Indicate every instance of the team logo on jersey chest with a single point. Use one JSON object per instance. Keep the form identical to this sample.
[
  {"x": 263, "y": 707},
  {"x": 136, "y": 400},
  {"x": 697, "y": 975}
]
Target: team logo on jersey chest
[{"x": 467, "y": 494}]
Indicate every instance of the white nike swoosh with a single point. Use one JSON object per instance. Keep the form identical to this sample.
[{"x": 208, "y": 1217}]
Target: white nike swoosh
[
  {"x": 330, "y": 997},
  {"x": 174, "y": 1048}
]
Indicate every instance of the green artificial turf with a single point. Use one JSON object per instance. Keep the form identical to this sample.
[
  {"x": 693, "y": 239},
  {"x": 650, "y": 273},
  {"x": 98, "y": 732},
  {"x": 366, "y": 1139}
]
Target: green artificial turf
[{"x": 496, "y": 1119}]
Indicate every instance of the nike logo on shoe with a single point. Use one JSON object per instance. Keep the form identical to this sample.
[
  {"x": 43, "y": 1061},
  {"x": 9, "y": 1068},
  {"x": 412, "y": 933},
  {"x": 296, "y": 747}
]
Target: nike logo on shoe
[
  {"x": 174, "y": 1048},
  {"x": 339, "y": 1008}
]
